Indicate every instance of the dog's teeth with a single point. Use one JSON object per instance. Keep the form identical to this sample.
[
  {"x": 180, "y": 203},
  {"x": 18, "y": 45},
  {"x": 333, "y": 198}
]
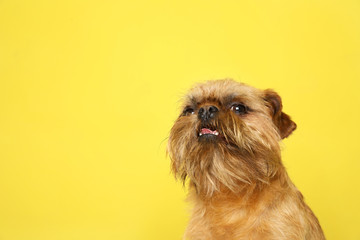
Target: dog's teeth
[
  {"x": 216, "y": 133},
  {"x": 200, "y": 134}
]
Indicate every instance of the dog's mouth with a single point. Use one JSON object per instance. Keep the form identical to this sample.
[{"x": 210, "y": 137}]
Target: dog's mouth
[{"x": 208, "y": 132}]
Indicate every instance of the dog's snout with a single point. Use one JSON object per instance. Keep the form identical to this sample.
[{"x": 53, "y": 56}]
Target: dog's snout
[{"x": 207, "y": 112}]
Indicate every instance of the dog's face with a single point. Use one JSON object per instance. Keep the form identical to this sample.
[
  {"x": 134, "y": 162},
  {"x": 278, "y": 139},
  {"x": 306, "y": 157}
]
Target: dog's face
[{"x": 227, "y": 135}]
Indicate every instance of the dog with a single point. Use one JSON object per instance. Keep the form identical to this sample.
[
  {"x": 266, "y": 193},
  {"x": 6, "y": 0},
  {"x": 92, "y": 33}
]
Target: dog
[{"x": 226, "y": 143}]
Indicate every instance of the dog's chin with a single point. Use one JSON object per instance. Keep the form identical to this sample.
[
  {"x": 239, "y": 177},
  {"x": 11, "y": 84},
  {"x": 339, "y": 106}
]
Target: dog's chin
[{"x": 209, "y": 138}]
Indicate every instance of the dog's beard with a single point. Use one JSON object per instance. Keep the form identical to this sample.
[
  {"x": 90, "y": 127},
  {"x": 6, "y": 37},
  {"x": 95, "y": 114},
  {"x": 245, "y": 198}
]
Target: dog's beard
[{"x": 242, "y": 153}]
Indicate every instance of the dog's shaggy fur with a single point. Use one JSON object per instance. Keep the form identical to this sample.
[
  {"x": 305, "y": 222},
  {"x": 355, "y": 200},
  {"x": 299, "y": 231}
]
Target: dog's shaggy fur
[{"x": 226, "y": 142}]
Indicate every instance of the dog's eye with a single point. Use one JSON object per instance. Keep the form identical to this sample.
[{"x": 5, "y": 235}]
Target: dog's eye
[
  {"x": 239, "y": 109},
  {"x": 188, "y": 111}
]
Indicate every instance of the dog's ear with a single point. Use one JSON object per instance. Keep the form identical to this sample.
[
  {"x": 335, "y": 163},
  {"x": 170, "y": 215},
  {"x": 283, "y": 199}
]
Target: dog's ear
[{"x": 281, "y": 120}]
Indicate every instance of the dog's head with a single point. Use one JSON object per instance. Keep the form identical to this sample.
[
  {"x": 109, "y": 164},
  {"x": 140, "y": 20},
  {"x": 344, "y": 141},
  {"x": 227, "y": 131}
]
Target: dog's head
[{"x": 228, "y": 135}]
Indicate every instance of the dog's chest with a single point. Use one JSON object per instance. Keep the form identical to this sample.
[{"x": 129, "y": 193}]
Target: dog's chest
[
  {"x": 229, "y": 220},
  {"x": 237, "y": 222}
]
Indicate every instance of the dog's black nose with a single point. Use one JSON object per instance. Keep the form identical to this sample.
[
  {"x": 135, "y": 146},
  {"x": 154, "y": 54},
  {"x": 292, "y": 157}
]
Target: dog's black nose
[{"x": 207, "y": 112}]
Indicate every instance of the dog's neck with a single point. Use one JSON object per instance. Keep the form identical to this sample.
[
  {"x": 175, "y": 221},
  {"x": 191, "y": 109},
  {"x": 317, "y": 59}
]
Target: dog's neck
[{"x": 246, "y": 192}]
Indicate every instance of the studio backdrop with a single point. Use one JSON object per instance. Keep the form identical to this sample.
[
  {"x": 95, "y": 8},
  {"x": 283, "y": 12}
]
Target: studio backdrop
[{"x": 90, "y": 89}]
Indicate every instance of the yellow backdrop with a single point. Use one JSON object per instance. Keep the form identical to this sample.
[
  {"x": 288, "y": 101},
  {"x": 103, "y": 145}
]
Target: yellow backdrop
[{"x": 90, "y": 89}]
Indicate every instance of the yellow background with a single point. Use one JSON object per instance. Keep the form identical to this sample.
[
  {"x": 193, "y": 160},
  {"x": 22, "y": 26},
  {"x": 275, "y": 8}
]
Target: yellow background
[{"x": 90, "y": 89}]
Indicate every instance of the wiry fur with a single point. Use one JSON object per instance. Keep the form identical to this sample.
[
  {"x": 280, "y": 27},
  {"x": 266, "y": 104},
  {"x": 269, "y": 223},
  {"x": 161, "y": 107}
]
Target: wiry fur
[{"x": 238, "y": 184}]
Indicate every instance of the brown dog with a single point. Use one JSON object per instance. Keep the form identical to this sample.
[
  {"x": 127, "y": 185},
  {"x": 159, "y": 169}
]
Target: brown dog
[{"x": 226, "y": 142}]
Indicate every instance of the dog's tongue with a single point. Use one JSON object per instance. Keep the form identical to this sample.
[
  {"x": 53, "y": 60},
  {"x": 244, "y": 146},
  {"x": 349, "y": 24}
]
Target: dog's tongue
[{"x": 208, "y": 131}]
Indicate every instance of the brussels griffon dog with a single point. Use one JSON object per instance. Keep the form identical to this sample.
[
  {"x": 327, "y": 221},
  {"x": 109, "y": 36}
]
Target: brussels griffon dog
[{"x": 226, "y": 142}]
